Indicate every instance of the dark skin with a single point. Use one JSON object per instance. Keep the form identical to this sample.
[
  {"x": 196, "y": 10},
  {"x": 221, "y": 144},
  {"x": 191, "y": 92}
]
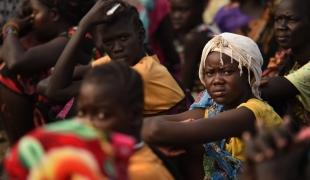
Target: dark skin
[
  {"x": 186, "y": 15},
  {"x": 23, "y": 61},
  {"x": 114, "y": 38},
  {"x": 291, "y": 31},
  {"x": 226, "y": 87},
  {"x": 47, "y": 27},
  {"x": 274, "y": 151},
  {"x": 100, "y": 105},
  {"x": 164, "y": 35}
]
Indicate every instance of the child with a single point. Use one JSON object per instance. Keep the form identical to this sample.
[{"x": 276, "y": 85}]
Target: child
[
  {"x": 105, "y": 104},
  {"x": 121, "y": 35},
  {"x": 24, "y": 67},
  {"x": 230, "y": 69}
]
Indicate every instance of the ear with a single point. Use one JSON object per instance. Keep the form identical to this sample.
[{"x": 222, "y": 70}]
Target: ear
[{"x": 54, "y": 15}]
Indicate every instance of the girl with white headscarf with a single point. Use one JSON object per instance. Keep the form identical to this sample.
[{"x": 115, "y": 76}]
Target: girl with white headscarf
[{"x": 230, "y": 70}]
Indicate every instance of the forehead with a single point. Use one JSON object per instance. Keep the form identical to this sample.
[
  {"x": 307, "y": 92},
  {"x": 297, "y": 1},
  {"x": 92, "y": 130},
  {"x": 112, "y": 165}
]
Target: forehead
[
  {"x": 289, "y": 7},
  {"x": 116, "y": 28},
  {"x": 37, "y": 4},
  {"x": 98, "y": 95},
  {"x": 214, "y": 60},
  {"x": 182, "y": 3}
]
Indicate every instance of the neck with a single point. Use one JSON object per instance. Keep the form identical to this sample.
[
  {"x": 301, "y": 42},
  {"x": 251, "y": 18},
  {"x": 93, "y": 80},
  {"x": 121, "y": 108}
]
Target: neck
[
  {"x": 139, "y": 56},
  {"x": 243, "y": 99},
  {"x": 301, "y": 54}
]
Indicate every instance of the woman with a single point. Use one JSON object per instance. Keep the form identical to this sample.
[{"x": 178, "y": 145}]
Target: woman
[
  {"x": 24, "y": 67},
  {"x": 230, "y": 69}
]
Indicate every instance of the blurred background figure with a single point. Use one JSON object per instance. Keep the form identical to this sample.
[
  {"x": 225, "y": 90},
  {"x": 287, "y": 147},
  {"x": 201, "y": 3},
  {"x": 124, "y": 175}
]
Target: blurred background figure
[
  {"x": 252, "y": 18},
  {"x": 190, "y": 36},
  {"x": 155, "y": 18}
]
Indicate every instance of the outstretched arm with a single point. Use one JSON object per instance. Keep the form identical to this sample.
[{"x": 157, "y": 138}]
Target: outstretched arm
[{"x": 227, "y": 124}]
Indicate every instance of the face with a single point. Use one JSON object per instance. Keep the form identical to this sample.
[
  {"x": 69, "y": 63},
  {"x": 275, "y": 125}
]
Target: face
[
  {"x": 41, "y": 19},
  {"x": 122, "y": 42},
  {"x": 182, "y": 14},
  {"x": 223, "y": 82},
  {"x": 100, "y": 107},
  {"x": 291, "y": 27}
]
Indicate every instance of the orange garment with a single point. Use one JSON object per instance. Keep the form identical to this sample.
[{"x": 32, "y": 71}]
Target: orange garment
[
  {"x": 145, "y": 165},
  {"x": 161, "y": 91}
]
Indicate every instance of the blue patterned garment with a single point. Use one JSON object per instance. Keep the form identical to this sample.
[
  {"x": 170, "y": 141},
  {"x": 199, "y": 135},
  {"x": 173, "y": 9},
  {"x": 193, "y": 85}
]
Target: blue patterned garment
[{"x": 218, "y": 163}]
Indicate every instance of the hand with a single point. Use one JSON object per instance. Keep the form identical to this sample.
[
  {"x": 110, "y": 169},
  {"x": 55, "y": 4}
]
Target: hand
[
  {"x": 273, "y": 154},
  {"x": 98, "y": 13},
  {"x": 23, "y": 25}
]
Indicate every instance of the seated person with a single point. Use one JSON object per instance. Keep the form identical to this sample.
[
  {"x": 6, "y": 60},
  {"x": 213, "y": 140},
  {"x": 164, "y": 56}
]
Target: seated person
[
  {"x": 190, "y": 37},
  {"x": 106, "y": 107},
  {"x": 121, "y": 35},
  {"x": 230, "y": 70}
]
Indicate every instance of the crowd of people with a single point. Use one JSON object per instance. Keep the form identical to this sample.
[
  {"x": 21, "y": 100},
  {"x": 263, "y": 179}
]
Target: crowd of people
[{"x": 156, "y": 89}]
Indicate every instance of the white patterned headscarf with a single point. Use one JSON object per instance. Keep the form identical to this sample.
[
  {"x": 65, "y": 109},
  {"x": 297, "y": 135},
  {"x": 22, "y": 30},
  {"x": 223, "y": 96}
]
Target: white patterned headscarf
[{"x": 241, "y": 49}]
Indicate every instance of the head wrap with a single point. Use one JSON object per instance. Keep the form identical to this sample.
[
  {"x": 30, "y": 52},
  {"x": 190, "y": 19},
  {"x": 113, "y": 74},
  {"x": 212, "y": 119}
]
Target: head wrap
[{"x": 241, "y": 49}]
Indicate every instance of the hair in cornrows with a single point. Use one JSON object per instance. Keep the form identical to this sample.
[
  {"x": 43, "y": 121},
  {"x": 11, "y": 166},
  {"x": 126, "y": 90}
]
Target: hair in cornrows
[
  {"x": 123, "y": 79},
  {"x": 130, "y": 14},
  {"x": 71, "y": 10}
]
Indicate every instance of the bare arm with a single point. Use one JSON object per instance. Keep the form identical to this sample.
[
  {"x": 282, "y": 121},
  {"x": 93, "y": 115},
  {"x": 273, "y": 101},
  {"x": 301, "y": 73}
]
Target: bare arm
[
  {"x": 62, "y": 78},
  {"x": 278, "y": 88},
  {"x": 227, "y": 124},
  {"x": 33, "y": 60}
]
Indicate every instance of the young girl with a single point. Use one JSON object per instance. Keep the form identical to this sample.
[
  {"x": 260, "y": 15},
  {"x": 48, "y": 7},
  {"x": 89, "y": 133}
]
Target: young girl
[
  {"x": 23, "y": 66},
  {"x": 104, "y": 103},
  {"x": 230, "y": 70}
]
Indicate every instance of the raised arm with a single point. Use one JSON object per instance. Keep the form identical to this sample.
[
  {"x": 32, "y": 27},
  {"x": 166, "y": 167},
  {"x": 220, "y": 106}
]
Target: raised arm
[
  {"x": 38, "y": 58},
  {"x": 227, "y": 124},
  {"x": 62, "y": 77}
]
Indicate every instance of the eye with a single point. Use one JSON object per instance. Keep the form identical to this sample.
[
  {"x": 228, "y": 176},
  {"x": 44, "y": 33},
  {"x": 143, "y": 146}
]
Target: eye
[
  {"x": 227, "y": 72},
  {"x": 209, "y": 73},
  {"x": 108, "y": 44},
  {"x": 124, "y": 38}
]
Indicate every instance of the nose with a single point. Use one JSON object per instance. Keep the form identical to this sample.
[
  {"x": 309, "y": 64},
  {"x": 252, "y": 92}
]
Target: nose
[
  {"x": 117, "y": 47},
  {"x": 218, "y": 79},
  {"x": 281, "y": 24},
  {"x": 176, "y": 14}
]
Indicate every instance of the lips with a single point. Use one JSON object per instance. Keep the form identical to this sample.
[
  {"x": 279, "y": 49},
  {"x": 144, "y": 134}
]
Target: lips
[
  {"x": 218, "y": 93},
  {"x": 282, "y": 37}
]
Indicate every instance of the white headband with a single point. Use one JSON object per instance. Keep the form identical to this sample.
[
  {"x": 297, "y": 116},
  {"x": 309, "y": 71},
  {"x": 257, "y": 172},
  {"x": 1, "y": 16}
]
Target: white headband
[{"x": 241, "y": 49}]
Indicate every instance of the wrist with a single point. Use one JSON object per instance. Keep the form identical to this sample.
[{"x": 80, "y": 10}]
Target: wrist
[{"x": 10, "y": 28}]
